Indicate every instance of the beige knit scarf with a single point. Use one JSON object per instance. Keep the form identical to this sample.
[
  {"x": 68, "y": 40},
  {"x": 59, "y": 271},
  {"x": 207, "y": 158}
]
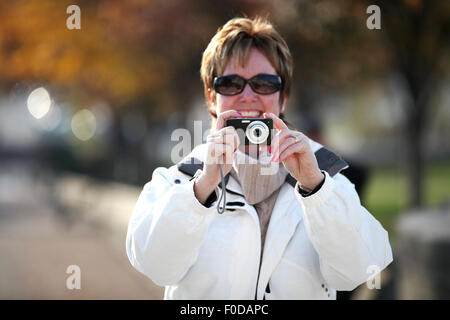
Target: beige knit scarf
[
  {"x": 260, "y": 181},
  {"x": 259, "y": 178}
]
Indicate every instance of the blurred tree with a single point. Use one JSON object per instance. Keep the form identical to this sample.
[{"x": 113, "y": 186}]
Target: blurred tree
[
  {"x": 145, "y": 55},
  {"x": 418, "y": 34},
  {"x": 334, "y": 50},
  {"x": 134, "y": 52}
]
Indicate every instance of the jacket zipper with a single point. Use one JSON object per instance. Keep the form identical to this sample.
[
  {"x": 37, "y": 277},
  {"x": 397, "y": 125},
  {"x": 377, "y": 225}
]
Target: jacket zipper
[
  {"x": 257, "y": 281},
  {"x": 260, "y": 260}
]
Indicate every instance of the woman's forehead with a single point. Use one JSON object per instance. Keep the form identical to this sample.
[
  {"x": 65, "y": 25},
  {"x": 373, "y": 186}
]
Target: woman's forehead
[{"x": 254, "y": 63}]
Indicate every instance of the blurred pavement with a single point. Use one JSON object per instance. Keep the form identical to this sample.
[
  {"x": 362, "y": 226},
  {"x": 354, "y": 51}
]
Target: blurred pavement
[{"x": 38, "y": 242}]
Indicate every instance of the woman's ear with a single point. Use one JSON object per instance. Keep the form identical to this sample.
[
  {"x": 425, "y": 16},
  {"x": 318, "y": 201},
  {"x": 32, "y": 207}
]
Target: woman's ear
[
  {"x": 209, "y": 95},
  {"x": 283, "y": 105},
  {"x": 211, "y": 100}
]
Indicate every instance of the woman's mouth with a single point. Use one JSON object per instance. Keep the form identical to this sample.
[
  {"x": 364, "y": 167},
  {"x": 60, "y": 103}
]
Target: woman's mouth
[{"x": 251, "y": 114}]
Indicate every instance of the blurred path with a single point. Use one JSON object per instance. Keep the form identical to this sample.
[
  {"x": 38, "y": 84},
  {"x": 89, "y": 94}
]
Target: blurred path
[{"x": 37, "y": 244}]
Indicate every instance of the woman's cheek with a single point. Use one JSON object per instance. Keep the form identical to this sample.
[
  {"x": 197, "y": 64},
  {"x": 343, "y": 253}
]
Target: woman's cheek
[{"x": 225, "y": 103}]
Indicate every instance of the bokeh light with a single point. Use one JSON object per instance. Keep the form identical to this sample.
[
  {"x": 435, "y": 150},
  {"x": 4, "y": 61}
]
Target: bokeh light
[
  {"x": 39, "y": 102},
  {"x": 84, "y": 124}
]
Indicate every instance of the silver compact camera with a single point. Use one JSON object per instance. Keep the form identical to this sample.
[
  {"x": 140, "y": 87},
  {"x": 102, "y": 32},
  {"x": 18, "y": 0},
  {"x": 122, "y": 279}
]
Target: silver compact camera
[{"x": 252, "y": 131}]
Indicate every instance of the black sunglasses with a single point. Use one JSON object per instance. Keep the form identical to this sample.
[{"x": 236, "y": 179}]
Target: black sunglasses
[{"x": 234, "y": 84}]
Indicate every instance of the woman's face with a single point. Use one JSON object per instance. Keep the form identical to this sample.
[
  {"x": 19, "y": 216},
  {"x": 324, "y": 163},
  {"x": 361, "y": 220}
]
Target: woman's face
[{"x": 249, "y": 103}]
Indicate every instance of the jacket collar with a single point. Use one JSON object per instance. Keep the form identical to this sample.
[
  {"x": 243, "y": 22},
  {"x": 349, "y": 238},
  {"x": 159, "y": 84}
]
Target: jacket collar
[
  {"x": 194, "y": 161},
  {"x": 327, "y": 160}
]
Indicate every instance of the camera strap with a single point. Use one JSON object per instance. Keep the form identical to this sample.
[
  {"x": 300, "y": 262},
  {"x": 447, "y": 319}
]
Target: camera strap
[{"x": 223, "y": 193}]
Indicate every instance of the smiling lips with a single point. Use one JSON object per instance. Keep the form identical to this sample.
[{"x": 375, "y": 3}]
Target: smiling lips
[{"x": 251, "y": 114}]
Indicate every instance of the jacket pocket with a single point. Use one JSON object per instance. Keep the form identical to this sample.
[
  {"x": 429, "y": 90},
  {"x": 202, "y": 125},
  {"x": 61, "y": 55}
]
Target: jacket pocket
[{"x": 294, "y": 281}]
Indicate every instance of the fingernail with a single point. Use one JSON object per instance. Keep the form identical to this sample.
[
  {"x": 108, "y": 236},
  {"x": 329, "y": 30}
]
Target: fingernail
[
  {"x": 239, "y": 113},
  {"x": 270, "y": 150},
  {"x": 235, "y": 149}
]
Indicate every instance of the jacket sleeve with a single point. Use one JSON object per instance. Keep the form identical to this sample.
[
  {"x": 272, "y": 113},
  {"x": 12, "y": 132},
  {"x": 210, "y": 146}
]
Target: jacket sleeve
[
  {"x": 350, "y": 242},
  {"x": 166, "y": 229}
]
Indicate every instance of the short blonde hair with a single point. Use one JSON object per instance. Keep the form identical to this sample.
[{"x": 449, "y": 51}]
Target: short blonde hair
[{"x": 236, "y": 38}]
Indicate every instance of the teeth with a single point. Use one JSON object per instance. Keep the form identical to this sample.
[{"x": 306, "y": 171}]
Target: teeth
[{"x": 250, "y": 113}]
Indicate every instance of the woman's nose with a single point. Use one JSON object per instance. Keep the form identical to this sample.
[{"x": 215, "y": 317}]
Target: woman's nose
[{"x": 248, "y": 93}]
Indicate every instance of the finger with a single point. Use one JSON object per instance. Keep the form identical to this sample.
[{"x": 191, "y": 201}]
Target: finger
[
  {"x": 300, "y": 147},
  {"x": 219, "y": 149},
  {"x": 216, "y": 151},
  {"x": 222, "y": 117},
  {"x": 236, "y": 140},
  {"x": 224, "y": 153},
  {"x": 280, "y": 138},
  {"x": 222, "y": 131},
  {"x": 228, "y": 156},
  {"x": 227, "y": 135},
  {"x": 277, "y": 139},
  {"x": 225, "y": 138},
  {"x": 277, "y": 122},
  {"x": 290, "y": 140},
  {"x": 231, "y": 131},
  {"x": 232, "y": 140}
]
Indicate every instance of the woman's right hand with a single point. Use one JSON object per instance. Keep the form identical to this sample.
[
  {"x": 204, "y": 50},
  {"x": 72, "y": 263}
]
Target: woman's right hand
[{"x": 220, "y": 147}]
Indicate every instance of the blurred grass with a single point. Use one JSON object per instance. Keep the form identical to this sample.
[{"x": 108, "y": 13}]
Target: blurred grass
[{"x": 386, "y": 195}]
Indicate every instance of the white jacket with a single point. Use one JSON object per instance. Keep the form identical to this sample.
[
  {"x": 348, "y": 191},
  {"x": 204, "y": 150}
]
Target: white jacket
[{"x": 314, "y": 245}]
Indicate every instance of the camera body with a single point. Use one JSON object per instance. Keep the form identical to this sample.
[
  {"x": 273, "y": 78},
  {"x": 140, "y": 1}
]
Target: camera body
[{"x": 253, "y": 131}]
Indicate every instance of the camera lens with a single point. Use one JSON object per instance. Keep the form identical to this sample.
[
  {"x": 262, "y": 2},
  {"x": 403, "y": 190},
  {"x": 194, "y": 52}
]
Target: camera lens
[{"x": 257, "y": 132}]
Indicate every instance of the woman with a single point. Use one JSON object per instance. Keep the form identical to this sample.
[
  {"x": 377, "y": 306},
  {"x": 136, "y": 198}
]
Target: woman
[{"x": 299, "y": 233}]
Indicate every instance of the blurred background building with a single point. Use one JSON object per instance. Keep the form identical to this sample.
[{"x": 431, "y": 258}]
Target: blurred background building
[{"x": 87, "y": 114}]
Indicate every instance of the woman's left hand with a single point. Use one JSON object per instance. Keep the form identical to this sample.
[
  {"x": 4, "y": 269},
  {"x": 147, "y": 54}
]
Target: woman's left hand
[{"x": 292, "y": 148}]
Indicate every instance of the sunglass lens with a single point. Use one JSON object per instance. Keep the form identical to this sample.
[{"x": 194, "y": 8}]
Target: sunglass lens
[
  {"x": 266, "y": 84},
  {"x": 229, "y": 85}
]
